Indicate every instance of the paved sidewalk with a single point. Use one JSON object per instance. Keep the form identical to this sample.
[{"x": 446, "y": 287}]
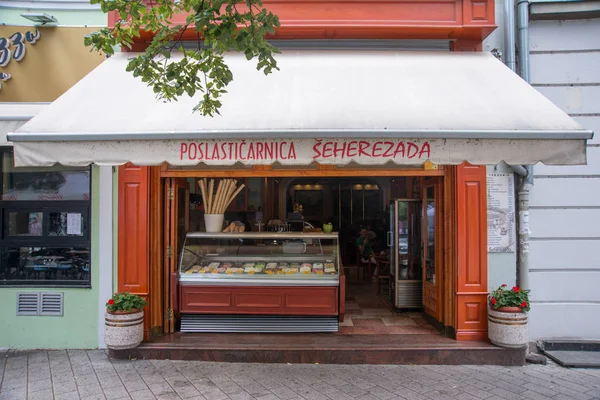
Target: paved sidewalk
[{"x": 91, "y": 375}]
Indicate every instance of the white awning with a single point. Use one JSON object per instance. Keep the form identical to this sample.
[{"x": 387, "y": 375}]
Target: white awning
[
  {"x": 15, "y": 115},
  {"x": 371, "y": 107}
]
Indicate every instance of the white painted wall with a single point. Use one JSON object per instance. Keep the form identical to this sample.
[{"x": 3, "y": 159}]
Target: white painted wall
[{"x": 565, "y": 201}]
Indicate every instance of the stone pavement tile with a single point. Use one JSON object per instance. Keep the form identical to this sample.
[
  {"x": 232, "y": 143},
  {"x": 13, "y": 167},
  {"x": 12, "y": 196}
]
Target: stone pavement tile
[
  {"x": 88, "y": 379},
  {"x": 436, "y": 395},
  {"x": 41, "y": 395},
  {"x": 267, "y": 397},
  {"x": 529, "y": 394},
  {"x": 367, "y": 397},
  {"x": 213, "y": 394},
  {"x": 324, "y": 387},
  {"x": 545, "y": 390},
  {"x": 381, "y": 393},
  {"x": 153, "y": 378},
  {"x": 116, "y": 392},
  {"x": 284, "y": 393},
  {"x": 230, "y": 387},
  {"x": 505, "y": 394},
  {"x": 186, "y": 392},
  {"x": 203, "y": 384},
  {"x": 466, "y": 396},
  {"x": 110, "y": 382},
  {"x": 89, "y": 390},
  {"x": 572, "y": 394},
  {"x": 135, "y": 385},
  {"x": 65, "y": 386},
  {"x": 475, "y": 391},
  {"x": 145, "y": 394},
  {"x": 243, "y": 396},
  {"x": 168, "y": 396},
  {"x": 39, "y": 385},
  {"x": 416, "y": 387},
  {"x": 160, "y": 388},
  {"x": 67, "y": 396},
  {"x": 15, "y": 374},
  {"x": 14, "y": 383},
  {"x": 13, "y": 394}
]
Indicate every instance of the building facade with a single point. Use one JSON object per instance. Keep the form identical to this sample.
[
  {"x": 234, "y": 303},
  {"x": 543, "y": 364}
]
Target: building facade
[
  {"x": 49, "y": 275},
  {"x": 134, "y": 222},
  {"x": 565, "y": 55}
]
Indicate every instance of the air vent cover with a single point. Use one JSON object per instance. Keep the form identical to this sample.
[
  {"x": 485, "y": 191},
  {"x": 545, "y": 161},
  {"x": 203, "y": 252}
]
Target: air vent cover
[
  {"x": 40, "y": 303},
  {"x": 28, "y": 303},
  {"x": 52, "y": 304}
]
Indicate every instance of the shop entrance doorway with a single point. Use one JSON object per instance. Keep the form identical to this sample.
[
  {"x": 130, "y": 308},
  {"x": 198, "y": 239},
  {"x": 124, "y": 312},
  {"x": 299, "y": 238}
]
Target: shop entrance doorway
[{"x": 403, "y": 214}]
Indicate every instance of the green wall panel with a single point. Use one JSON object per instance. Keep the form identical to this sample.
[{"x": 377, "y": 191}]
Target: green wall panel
[{"x": 77, "y": 329}]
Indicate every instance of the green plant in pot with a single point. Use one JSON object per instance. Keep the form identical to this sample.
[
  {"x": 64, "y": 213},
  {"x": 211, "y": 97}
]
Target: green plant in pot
[
  {"x": 509, "y": 300},
  {"x": 125, "y": 303},
  {"x": 124, "y": 321},
  {"x": 507, "y": 316}
]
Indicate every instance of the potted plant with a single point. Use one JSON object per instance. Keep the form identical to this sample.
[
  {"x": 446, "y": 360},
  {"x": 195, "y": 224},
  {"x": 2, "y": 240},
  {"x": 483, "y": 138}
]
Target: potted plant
[
  {"x": 124, "y": 321},
  {"x": 507, "y": 316}
]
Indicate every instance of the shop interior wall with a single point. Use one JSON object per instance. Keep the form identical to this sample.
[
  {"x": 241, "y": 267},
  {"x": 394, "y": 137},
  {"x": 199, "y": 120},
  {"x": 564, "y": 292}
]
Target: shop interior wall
[
  {"x": 502, "y": 267},
  {"x": 77, "y": 328}
]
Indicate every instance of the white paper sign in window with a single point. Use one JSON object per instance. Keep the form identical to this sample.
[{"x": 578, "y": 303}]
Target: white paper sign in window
[{"x": 73, "y": 224}]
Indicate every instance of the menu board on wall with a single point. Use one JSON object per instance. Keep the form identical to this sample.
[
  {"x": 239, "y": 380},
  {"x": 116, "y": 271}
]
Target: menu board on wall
[{"x": 501, "y": 212}]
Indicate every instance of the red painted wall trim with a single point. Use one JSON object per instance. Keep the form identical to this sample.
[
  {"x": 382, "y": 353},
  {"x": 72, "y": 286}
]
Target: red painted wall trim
[
  {"x": 133, "y": 230},
  {"x": 472, "y": 268},
  {"x": 385, "y": 19}
]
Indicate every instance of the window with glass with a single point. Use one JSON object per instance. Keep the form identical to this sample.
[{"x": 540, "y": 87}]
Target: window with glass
[{"x": 45, "y": 219}]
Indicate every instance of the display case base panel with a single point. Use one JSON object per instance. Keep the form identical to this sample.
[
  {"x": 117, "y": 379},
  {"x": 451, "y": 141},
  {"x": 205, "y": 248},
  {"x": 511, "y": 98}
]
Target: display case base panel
[
  {"x": 409, "y": 294},
  {"x": 257, "y": 323}
]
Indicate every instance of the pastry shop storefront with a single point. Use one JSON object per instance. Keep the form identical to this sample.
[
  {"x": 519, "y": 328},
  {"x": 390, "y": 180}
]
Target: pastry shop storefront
[{"x": 250, "y": 221}]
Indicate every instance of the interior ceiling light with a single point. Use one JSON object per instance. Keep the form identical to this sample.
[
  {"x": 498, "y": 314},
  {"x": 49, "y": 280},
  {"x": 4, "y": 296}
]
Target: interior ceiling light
[{"x": 40, "y": 18}]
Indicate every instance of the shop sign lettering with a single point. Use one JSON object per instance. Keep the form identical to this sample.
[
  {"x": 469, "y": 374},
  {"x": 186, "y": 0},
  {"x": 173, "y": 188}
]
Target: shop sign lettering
[
  {"x": 305, "y": 151},
  {"x": 14, "y": 48}
]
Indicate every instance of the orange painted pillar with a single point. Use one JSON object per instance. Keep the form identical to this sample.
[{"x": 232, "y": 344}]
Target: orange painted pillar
[
  {"x": 472, "y": 268},
  {"x": 133, "y": 242}
]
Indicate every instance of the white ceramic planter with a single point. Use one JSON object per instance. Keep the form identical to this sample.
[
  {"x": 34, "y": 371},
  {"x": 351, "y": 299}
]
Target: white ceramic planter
[
  {"x": 507, "y": 329},
  {"x": 123, "y": 331}
]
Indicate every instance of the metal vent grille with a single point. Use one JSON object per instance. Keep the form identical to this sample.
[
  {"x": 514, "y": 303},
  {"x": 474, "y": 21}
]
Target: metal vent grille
[
  {"x": 52, "y": 304},
  {"x": 257, "y": 323},
  {"x": 28, "y": 303},
  {"x": 37, "y": 303}
]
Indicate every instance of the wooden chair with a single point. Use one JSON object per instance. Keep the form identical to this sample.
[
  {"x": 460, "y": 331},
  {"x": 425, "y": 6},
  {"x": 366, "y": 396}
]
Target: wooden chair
[
  {"x": 366, "y": 267},
  {"x": 384, "y": 273}
]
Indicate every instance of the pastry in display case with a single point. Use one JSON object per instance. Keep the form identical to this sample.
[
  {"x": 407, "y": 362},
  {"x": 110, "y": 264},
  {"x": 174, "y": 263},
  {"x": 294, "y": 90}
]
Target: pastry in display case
[{"x": 288, "y": 258}]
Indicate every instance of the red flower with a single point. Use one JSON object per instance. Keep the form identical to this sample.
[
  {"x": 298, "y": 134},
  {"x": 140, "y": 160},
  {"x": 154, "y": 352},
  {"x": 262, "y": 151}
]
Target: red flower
[
  {"x": 500, "y": 292},
  {"x": 524, "y": 304},
  {"x": 504, "y": 285},
  {"x": 516, "y": 289},
  {"x": 494, "y": 301},
  {"x": 111, "y": 302}
]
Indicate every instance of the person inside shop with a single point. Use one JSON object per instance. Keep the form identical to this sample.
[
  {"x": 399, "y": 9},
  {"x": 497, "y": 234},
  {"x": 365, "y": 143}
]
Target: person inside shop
[{"x": 363, "y": 242}]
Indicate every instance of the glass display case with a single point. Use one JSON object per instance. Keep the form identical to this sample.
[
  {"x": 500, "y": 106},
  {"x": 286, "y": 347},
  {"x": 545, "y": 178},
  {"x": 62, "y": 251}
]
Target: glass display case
[{"x": 260, "y": 259}]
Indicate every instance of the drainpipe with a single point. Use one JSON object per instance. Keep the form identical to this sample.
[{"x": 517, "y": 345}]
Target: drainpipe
[
  {"x": 509, "y": 35},
  {"x": 527, "y": 180}
]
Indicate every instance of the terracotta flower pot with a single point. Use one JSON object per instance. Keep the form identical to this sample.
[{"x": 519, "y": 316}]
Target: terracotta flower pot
[
  {"x": 507, "y": 326},
  {"x": 123, "y": 329}
]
